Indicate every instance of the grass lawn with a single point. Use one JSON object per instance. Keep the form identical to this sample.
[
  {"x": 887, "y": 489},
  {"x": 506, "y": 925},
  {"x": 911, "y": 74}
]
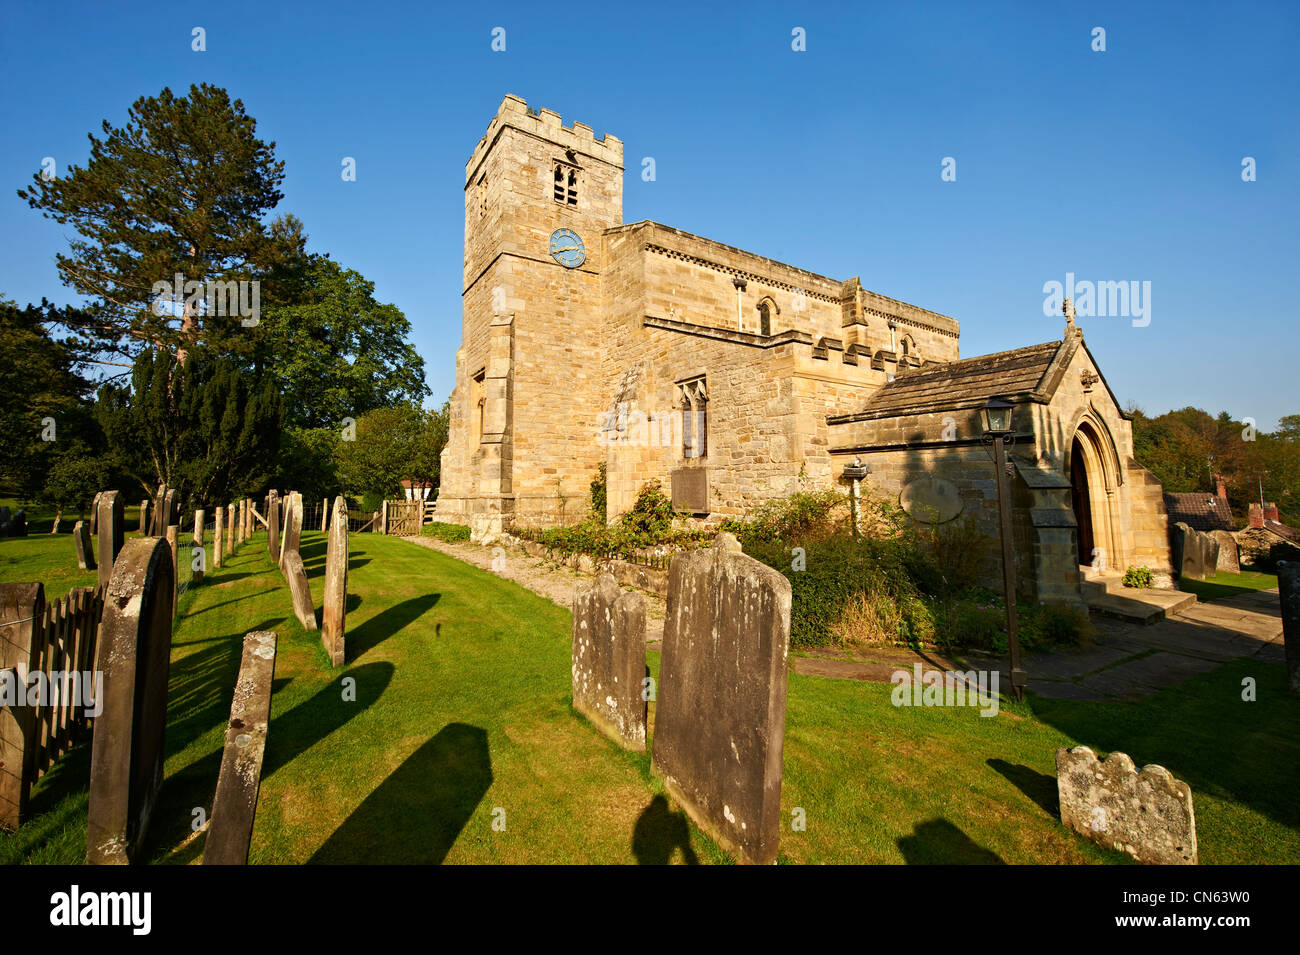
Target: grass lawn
[
  {"x": 461, "y": 718},
  {"x": 1220, "y": 585}
]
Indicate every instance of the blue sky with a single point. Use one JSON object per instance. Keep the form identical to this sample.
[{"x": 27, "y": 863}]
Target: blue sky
[{"x": 1123, "y": 165}]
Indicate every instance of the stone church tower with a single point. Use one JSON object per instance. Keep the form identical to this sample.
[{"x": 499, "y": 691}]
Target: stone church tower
[{"x": 525, "y": 376}]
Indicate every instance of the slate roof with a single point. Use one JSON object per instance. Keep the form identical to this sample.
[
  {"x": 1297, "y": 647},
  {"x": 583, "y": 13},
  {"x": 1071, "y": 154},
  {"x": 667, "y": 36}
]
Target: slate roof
[
  {"x": 967, "y": 382},
  {"x": 1201, "y": 511},
  {"x": 1282, "y": 530}
]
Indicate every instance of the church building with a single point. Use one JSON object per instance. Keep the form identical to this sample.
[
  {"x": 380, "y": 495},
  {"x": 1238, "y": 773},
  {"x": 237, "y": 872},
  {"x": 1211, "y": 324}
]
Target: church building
[{"x": 733, "y": 379}]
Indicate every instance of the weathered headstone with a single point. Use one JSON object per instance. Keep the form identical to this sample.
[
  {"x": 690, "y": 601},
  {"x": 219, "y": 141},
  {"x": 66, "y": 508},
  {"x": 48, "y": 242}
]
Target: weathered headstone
[
  {"x": 334, "y": 600},
  {"x": 21, "y": 606},
  {"x": 1228, "y": 560},
  {"x": 158, "y": 523},
  {"x": 609, "y": 660},
  {"x": 218, "y": 531},
  {"x": 85, "y": 549},
  {"x": 230, "y": 529},
  {"x": 235, "y": 803},
  {"x": 325, "y": 515},
  {"x": 1147, "y": 814},
  {"x": 1288, "y": 587},
  {"x": 292, "y": 535},
  {"x": 196, "y": 573},
  {"x": 273, "y": 527},
  {"x": 144, "y": 516},
  {"x": 111, "y": 533},
  {"x": 173, "y": 541},
  {"x": 126, "y": 763},
  {"x": 720, "y": 718},
  {"x": 1189, "y": 552},
  {"x": 171, "y": 508},
  {"x": 299, "y": 590},
  {"x": 94, "y": 514}
]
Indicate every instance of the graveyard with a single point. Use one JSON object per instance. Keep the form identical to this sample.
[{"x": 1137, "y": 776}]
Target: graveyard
[{"x": 451, "y": 733}]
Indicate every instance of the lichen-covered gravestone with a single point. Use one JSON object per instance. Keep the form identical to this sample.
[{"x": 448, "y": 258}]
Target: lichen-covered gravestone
[
  {"x": 235, "y": 803},
  {"x": 126, "y": 762},
  {"x": 1147, "y": 814},
  {"x": 111, "y": 533},
  {"x": 720, "y": 716},
  {"x": 1229, "y": 560},
  {"x": 609, "y": 660},
  {"x": 85, "y": 548},
  {"x": 334, "y": 602}
]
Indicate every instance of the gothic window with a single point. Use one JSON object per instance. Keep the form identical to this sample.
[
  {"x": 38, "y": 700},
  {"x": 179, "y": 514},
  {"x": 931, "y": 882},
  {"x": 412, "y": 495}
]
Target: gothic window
[
  {"x": 908, "y": 348},
  {"x": 480, "y": 401},
  {"x": 764, "y": 319},
  {"x": 566, "y": 184},
  {"x": 694, "y": 398}
]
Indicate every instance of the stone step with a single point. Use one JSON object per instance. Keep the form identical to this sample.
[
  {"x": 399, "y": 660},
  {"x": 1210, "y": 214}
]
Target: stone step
[{"x": 1139, "y": 605}]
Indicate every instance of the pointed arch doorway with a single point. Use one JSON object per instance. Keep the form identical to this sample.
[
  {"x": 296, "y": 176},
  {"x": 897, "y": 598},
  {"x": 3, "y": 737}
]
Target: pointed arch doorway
[
  {"x": 1081, "y": 502},
  {"x": 1095, "y": 477}
]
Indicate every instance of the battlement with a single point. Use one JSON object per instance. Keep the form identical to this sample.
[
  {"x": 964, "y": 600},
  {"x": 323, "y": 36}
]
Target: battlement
[{"x": 514, "y": 113}]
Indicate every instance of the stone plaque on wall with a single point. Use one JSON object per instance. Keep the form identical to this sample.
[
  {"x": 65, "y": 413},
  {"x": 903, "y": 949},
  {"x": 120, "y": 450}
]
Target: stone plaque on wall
[
  {"x": 691, "y": 490},
  {"x": 930, "y": 500}
]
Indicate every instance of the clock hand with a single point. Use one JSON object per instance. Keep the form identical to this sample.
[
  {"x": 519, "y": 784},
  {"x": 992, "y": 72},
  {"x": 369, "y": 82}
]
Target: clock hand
[{"x": 568, "y": 248}]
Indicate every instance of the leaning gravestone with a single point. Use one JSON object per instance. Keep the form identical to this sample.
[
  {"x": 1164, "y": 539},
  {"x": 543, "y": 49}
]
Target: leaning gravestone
[
  {"x": 1228, "y": 560},
  {"x": 144, "y": 516},
  {"x": 334, "y": 601},
  {"x": 174, "y": 542},
  {"x": 1189, "y": 552},
  {"x": 126, "y": 762},
  {"x": 94, "y": 514},
  {"x": 273, "y": 527},
  {"x": 1147, "y": 814},
  {"x": 235, "y": 803},
  {"x": 609, "y": 660},
  {"x": 292, "y": 536},
  {"x": 85, "y": 549},
  {"x": 720, "y": 720},
  {"x": 158, "y": 523},
  {"x": 1288, "y": 587},
  {"x": 111, "y": 533},
  {"x": 299, "y": 590}
]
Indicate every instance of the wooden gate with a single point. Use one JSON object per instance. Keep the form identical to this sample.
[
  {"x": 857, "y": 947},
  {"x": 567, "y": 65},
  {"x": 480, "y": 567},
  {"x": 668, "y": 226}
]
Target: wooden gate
[{"x": 403, "y": 518}]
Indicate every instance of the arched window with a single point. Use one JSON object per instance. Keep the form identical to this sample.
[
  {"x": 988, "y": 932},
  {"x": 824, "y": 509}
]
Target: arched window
[
  {"x": 695, "y": 418},
  {"x": 764, "y": 319},
  {"x": 566, "y": 184},
  {"x": 907, "y": 349}
]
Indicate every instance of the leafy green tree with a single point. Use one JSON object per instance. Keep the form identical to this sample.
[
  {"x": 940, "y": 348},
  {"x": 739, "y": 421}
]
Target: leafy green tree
[
  {"x": 392, "y": 445},
  {"x": 44, "y": 395},
  {"x": 335, "y": 351},
  {"x": 180, "y": 189},
  {"x": 308, "y": 462},
  {"x": 206, "y": 428}
]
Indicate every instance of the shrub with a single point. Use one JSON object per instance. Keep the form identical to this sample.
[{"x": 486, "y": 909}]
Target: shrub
[
  {"x": 451, "y": 533},
  {"x": 801, "y": 517},
  {"x": 959, "y": 549},
  {"x": 372, "y": 501},
  {"x": 651, "y": 517},
  {"x": 1055, "y": 625},
  {"x": 973, "y": 624},
  {"x": 599, "y": 487},
  {"x": 1137, "y": 577}
]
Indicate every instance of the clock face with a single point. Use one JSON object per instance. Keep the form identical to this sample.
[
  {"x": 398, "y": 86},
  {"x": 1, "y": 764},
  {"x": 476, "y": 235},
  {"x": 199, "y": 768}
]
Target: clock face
[{"x": 567, "y": 248}]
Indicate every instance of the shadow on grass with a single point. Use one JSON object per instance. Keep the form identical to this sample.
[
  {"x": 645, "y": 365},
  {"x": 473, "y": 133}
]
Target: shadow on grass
[
  {"x": 1204, "y": 733},
  {"x": 415, "y": 815},
  {"x": 1037, "y": 786},
  {"x": 939, "y": 842},
  {"x": 383, "y": 625},
  {"x": 659, "y": 832}
]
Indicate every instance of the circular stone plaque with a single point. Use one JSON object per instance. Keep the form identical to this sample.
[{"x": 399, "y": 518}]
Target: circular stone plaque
[{"x": 931, "y": 500}]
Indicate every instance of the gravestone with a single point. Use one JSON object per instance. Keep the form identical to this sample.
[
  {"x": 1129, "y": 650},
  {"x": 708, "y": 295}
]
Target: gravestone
[
  {"x": 325, "y": 515},
  {"x": 1195, "y": 554},
  {"x": 299, "y": 590},
  {"x": 111, "y": 533},
  {"x": 196, "y": 574},
  {"x": 235, "y": 804},
  {"x": 334, "y": 600},
  {"x": 219, "y": 528},
  {"x": 157, "y": 523},
  {"x": 173, "y": 541},
  {"x": 126, "y": 761},
  {"x": 94, "y": 514},
  {"x": 1228, "y": 561},
  {"x": 720, "y": 718},
  {"x": 273, "y": 527},
  {"x": 144, "y": 516},
  {"x": 292, "y": 536},
  {"x": 1288, "y": 587},
  {"x": 85, "y": 549},
  {"x": 230, "y": 529},
  {"x": 171, "y": 508},
  {"x": 21, "y": 607},
  {"x": 609, "y": 660},
  {"x": 1147, "y": 814}
]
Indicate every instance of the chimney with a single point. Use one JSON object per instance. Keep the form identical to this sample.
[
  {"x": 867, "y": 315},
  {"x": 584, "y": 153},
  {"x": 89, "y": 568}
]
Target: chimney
[
  {"x": 1222, "y": 488},
  {"x": 1256, "y": 516},
  {"x": 1270, "y": 511}
]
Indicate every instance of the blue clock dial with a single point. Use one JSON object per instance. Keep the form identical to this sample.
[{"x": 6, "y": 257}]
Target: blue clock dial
[{"x": 567, "y": 248}]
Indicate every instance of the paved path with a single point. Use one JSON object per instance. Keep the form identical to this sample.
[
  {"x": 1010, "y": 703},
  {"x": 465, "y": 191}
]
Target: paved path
[{"x": 1125, "y": 661}]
